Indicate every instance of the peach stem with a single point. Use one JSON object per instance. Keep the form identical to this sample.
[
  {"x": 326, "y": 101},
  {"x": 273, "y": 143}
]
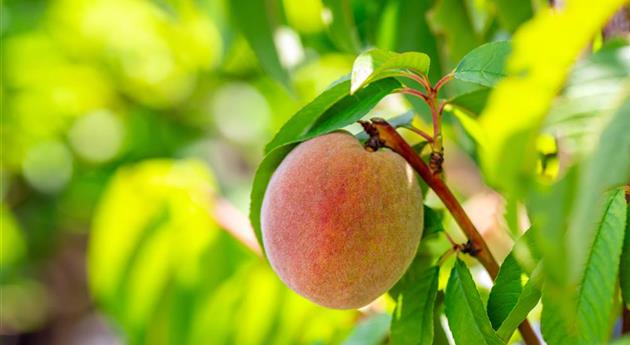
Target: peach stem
[{"x": 387, "y": 135}]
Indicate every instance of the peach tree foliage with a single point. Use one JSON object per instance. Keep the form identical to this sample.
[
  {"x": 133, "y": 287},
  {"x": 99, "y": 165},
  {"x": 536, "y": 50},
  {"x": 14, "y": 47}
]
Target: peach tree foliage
[{"x": 574, "y": 259}]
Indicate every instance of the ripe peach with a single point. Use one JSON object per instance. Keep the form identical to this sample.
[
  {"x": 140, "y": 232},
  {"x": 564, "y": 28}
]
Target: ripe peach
[{"x": 341, "y": 224}]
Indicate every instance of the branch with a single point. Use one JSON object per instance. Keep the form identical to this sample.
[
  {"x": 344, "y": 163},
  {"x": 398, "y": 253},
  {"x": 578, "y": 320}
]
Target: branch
[
  {"x": 236, "y": 224},
  {"x": 383, "y": 133}
]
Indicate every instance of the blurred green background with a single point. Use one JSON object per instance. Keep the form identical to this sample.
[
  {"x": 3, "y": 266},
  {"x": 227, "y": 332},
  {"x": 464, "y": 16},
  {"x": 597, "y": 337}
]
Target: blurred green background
[{"x": 130, "y": 135}]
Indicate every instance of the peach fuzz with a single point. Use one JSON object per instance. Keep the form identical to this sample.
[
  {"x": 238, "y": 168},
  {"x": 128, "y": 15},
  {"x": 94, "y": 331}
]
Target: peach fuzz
[{"x": 341, "y": 224}]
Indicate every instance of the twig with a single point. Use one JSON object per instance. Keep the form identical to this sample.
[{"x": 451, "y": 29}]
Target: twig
[
  {"x": 236, "y": 224},
  {"x": 418, "y": 131},
  {"x": 413, "y": 92},
  {"x": 442, "y": 82},
  {"x": 389, "y": 138}
]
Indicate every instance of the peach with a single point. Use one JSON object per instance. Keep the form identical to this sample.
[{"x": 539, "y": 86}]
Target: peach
[{"x": 341, "y": 224}]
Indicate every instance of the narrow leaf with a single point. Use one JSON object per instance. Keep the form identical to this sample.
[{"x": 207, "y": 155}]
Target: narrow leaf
[
  {"x": 607, "y": 167},
  {"x": 257, "y": 20},
  {"x": 600, "y": 276},
  {"x": 594, "y": 297},
  {"x": 338, "y": 17},
  {"x": 466, "y": 316},
  {"x": 377, "y": 64},
  {"x": 505, "y": 292},
  {"x": 412, "y": 321},
  {"x": 484, "y": 65},
  {"x": 527, "y": 300}
]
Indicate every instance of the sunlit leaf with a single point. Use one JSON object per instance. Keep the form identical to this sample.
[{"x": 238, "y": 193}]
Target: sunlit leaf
[
  {"x": 467, "y": 318},
  {"x": 412, "y": 319},
  {"x": 332, "y": 110},
  {"x": 258, "y": 20},
  {"x": 468, "y": 122},
  {"x": 505, "y": 292},
  {"x": 160, "y": 267},
  {"x": 338, "y": 17},
  {"x": 542, "y": 53},
  {"x": 371, "y": 331},
  {"x": 376, "y": 64},
  {"x": 484, "y": 65},
  {"x": 149, "y": 214}
]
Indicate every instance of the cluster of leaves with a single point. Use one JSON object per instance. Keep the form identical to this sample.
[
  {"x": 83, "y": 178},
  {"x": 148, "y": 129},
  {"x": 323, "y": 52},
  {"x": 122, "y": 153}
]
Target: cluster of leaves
[
  {"x": 573, "y": 257},
  {"x": 159, "y": 265}
]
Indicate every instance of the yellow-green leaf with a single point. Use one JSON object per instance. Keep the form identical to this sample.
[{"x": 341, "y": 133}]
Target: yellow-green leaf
[
  {"x": 543, "y": 50},
  {"x": 376, "y": 64}
]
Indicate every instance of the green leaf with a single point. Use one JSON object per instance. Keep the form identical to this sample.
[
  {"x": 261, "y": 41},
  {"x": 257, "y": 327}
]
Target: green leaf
[
  {"x": 331, "y": 110},
  {"x": 257, "y": 20},
  {"x": 333, "y": 103},
  {"x": 451, "y": 19},
  {"x": 513, "y": 13},
  {"x": 594, "y": 296},
  {"x": 607, "y": 167},
  {"x": 341, "y": 27},
  {"x": 303, "y": 120},
  {"x": 592, "y": 90},
  {"x": 542, "y": 53},
  {"x": 370, "y": 331},
  {"x": 600, "y": 275},
  {"x": 527, "y": 300},
  {"x": 505, "y": 292},
  {"x": 376, "y": 64},
  {"x": 403, "y": 27},
  {"x": 472, "y": 103},
  {"x": 484, "y": 65},
  {"x": 467, "y": 318},
  {"x": 624, "y": 268},
  {"x": 261, "y": 179},
  {"x": 412, "y": 320},
  {"x": 432, "y": 221}
]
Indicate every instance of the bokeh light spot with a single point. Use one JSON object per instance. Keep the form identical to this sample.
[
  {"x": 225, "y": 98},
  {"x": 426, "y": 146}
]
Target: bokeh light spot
[
  {"x": 48, "y": 166},
  {"x": 241, "y": 112},
  {"x": 97, "y": 137}
]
